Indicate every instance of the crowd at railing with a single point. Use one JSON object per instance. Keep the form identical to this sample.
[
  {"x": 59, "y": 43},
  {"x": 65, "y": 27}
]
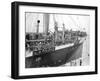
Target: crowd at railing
[{"x": 41, "y": 43}]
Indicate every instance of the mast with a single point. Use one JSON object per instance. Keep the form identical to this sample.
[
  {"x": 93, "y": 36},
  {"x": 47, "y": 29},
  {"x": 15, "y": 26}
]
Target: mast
[
  {"x": 63, "y": 37},
  {"x": 55, "y": 28}
]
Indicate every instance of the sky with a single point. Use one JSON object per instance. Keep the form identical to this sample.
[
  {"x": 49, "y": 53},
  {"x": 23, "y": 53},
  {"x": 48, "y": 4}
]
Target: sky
[{"x": 74, "y": 22}]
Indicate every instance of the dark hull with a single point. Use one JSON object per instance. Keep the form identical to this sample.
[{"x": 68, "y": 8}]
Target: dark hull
[{"x": 56, "y": 58}]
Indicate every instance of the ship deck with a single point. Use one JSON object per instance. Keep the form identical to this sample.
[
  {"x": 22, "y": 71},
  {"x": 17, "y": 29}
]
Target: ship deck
[{"x": 63, "y": 46}]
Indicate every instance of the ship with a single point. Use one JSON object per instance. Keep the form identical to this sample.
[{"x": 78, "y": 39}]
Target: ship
[{"x": 51, "y": 49}]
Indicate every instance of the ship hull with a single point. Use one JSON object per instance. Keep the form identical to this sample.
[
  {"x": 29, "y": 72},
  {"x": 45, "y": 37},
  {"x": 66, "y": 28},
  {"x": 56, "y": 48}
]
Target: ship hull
[{"x": 56, "y": 58}]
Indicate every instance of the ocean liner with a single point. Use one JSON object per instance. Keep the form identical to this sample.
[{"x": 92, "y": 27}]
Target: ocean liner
[{"x": 51, "y": 49}]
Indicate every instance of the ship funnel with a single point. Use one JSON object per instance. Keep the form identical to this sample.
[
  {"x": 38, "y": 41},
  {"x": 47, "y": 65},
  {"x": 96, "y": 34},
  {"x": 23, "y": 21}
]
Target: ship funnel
[
  {"x": 46, "y": 23},
  {"x": 38, "y": 21}
]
